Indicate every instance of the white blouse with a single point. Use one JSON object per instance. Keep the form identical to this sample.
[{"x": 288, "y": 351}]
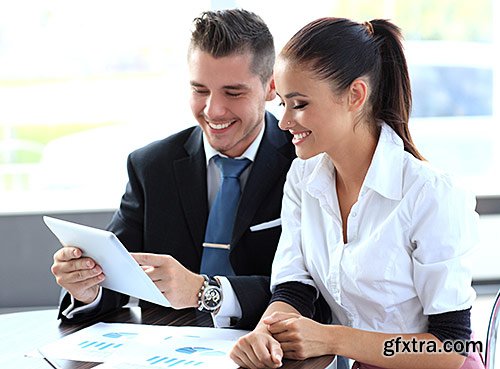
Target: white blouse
[{"x": 409, "y": 238}]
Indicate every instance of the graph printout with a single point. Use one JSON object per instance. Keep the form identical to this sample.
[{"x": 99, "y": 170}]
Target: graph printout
[
  {"x": 184, "y": 352},
  {"x": 224, "y": 364},
  {"x": 136, "y": 346}
]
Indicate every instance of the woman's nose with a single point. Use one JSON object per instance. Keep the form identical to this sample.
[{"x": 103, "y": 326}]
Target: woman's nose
[{"x": 285, "y": 124}]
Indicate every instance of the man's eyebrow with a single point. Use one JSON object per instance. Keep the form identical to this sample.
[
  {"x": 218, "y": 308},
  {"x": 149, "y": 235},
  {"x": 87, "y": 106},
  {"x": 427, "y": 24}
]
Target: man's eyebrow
[
  {"x": 196, "y": 84},
  {"x": 238, "y": 86}
]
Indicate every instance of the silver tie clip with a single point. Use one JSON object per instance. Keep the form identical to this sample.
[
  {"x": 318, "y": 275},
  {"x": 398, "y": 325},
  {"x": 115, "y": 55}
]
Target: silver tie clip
[{"x": 217, "y": 245}]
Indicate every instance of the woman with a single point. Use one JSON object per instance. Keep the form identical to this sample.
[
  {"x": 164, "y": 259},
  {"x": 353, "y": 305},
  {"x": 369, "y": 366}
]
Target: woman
[{"x": 367, "y": 222}]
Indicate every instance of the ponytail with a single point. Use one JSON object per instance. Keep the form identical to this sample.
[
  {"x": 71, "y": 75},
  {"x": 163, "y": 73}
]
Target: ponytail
[{"x": 392, "y": 101}]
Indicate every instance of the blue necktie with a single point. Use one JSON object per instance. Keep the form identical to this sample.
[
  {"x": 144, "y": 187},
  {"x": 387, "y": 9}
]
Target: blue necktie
[{"x": 215, "y": 259}]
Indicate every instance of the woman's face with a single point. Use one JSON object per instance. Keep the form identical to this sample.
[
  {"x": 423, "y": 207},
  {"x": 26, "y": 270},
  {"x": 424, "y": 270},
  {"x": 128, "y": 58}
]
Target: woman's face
[{"x": 318, "y": 118}]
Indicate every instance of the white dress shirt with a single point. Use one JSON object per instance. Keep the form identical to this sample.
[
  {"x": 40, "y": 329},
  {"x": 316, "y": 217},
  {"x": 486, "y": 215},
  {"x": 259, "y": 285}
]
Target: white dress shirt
[
  {"x": 230, "y": 307},
  {"x": 409, "y": 238}
]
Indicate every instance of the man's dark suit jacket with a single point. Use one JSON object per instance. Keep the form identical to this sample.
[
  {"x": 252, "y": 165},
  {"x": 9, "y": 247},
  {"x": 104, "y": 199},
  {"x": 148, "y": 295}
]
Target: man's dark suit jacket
[{"x": 165, "y": 210}]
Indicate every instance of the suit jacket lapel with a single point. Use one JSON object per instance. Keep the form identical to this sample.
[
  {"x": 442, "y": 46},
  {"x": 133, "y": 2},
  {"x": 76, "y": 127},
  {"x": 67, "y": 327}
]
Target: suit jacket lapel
[
  {"x": 191, "y": 178},
  {"x": 269, "y": 165}
]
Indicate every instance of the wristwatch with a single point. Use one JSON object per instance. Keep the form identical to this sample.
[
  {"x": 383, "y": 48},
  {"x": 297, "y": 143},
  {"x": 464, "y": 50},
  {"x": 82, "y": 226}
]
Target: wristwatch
[{"x": 210, "y": 295}]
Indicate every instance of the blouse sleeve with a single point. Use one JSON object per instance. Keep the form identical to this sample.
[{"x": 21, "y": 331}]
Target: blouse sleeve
[
  {"x": 444, "y": 233},
  {"x": 288, "y": 264},
  {"x": 454, "y": 325},
  {"x": 298, "y": 295}
]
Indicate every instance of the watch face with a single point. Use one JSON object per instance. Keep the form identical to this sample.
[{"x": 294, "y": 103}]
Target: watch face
[{"x": 211, "y": 297}]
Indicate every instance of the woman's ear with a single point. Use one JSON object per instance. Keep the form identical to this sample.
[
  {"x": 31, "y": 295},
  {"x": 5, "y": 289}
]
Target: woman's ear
[{"x": 358, "y": 93}]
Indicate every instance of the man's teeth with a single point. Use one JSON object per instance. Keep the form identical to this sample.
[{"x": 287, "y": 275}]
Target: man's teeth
[
  {"x": 219, "y": 125},
  {"x": 301, "y": 135}
]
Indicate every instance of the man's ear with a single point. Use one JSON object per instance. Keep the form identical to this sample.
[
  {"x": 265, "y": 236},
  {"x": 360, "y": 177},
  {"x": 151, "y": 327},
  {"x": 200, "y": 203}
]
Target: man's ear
[
  {"x": 270, "y": 90},
  {"x": 358, "y": 94}
]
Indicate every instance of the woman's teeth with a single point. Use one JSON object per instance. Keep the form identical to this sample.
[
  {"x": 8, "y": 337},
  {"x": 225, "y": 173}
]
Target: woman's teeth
[{"x": 301, "y": 135}]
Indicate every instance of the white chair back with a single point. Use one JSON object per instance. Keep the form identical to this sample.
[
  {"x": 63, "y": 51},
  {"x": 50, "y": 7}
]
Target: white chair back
[{"x": 491, "y": 337}]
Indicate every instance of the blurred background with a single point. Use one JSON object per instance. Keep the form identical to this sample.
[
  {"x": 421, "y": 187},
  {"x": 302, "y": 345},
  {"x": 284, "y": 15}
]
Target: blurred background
[{"x": 85, "y": 82}]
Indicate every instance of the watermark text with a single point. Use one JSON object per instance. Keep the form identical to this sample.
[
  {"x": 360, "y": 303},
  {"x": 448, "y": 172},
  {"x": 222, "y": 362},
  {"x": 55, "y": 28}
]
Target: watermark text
[{"x": 400, "y": 346}]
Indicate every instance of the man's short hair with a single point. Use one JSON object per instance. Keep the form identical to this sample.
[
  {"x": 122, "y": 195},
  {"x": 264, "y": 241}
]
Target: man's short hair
[{"x": 235, "y": 31}]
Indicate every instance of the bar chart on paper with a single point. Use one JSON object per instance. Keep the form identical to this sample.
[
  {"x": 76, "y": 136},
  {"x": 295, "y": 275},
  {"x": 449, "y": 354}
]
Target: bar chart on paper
[
  {"x": 164, "y": 362},
  {"x": 182, "y": 356},
  {"x": 169, "y": 362},
  {"x": 137, "y": 346},
  {"x": 106, "y": 345},
  {"x": 201, "y": 353},
  {"x": 96, "y": 345}
]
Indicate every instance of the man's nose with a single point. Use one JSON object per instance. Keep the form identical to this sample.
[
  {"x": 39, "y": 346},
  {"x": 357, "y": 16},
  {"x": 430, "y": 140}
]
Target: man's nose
[{"x": 214, "y": 107}]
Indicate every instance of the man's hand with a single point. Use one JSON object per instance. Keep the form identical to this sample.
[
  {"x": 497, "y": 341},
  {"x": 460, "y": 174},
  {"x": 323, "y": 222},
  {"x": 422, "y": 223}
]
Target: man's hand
[
  {"x": 80, "y": 276},
  {"x": 256, "y": 350},
  {"x": 178, "y": 284},
  {"x": 300, "y": 337}
]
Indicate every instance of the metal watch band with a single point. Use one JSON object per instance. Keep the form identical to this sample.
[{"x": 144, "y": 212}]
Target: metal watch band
[{"x": 200, "y": 292}]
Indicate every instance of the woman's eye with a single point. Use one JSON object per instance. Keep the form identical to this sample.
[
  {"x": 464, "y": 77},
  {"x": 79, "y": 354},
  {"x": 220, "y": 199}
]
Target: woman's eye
[{"x": 300, "y": 106}]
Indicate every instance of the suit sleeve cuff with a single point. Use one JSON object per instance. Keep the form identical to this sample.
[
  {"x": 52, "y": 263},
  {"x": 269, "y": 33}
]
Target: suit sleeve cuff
[
  {"x": 74, "y": 307},
  {"x": 230, "y": 309}
]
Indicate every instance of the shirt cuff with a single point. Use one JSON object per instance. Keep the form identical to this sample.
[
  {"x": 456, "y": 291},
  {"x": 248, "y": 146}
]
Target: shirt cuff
[
  {"x": 71, "y": 310},
  {"x": 230, "y": 310}
]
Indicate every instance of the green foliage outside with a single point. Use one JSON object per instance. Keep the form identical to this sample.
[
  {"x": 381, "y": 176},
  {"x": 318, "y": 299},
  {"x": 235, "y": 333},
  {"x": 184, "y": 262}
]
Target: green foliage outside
[
  {"x": 452, "y": 20},
  {"x": 29, "y": 137}
]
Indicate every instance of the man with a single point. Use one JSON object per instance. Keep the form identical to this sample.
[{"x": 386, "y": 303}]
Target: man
[{"x": 163, "y": 216}]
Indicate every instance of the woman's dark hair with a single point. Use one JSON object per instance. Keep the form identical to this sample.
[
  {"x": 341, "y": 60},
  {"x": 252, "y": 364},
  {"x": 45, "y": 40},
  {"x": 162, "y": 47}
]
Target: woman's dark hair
[
  {"x": 235, "y": 31},
  {"x": 339, "y": 51}
]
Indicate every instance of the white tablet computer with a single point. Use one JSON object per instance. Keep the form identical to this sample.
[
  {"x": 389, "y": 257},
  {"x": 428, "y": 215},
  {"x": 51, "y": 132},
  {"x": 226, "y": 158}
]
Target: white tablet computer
[{"x": 123, "y": 274}]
